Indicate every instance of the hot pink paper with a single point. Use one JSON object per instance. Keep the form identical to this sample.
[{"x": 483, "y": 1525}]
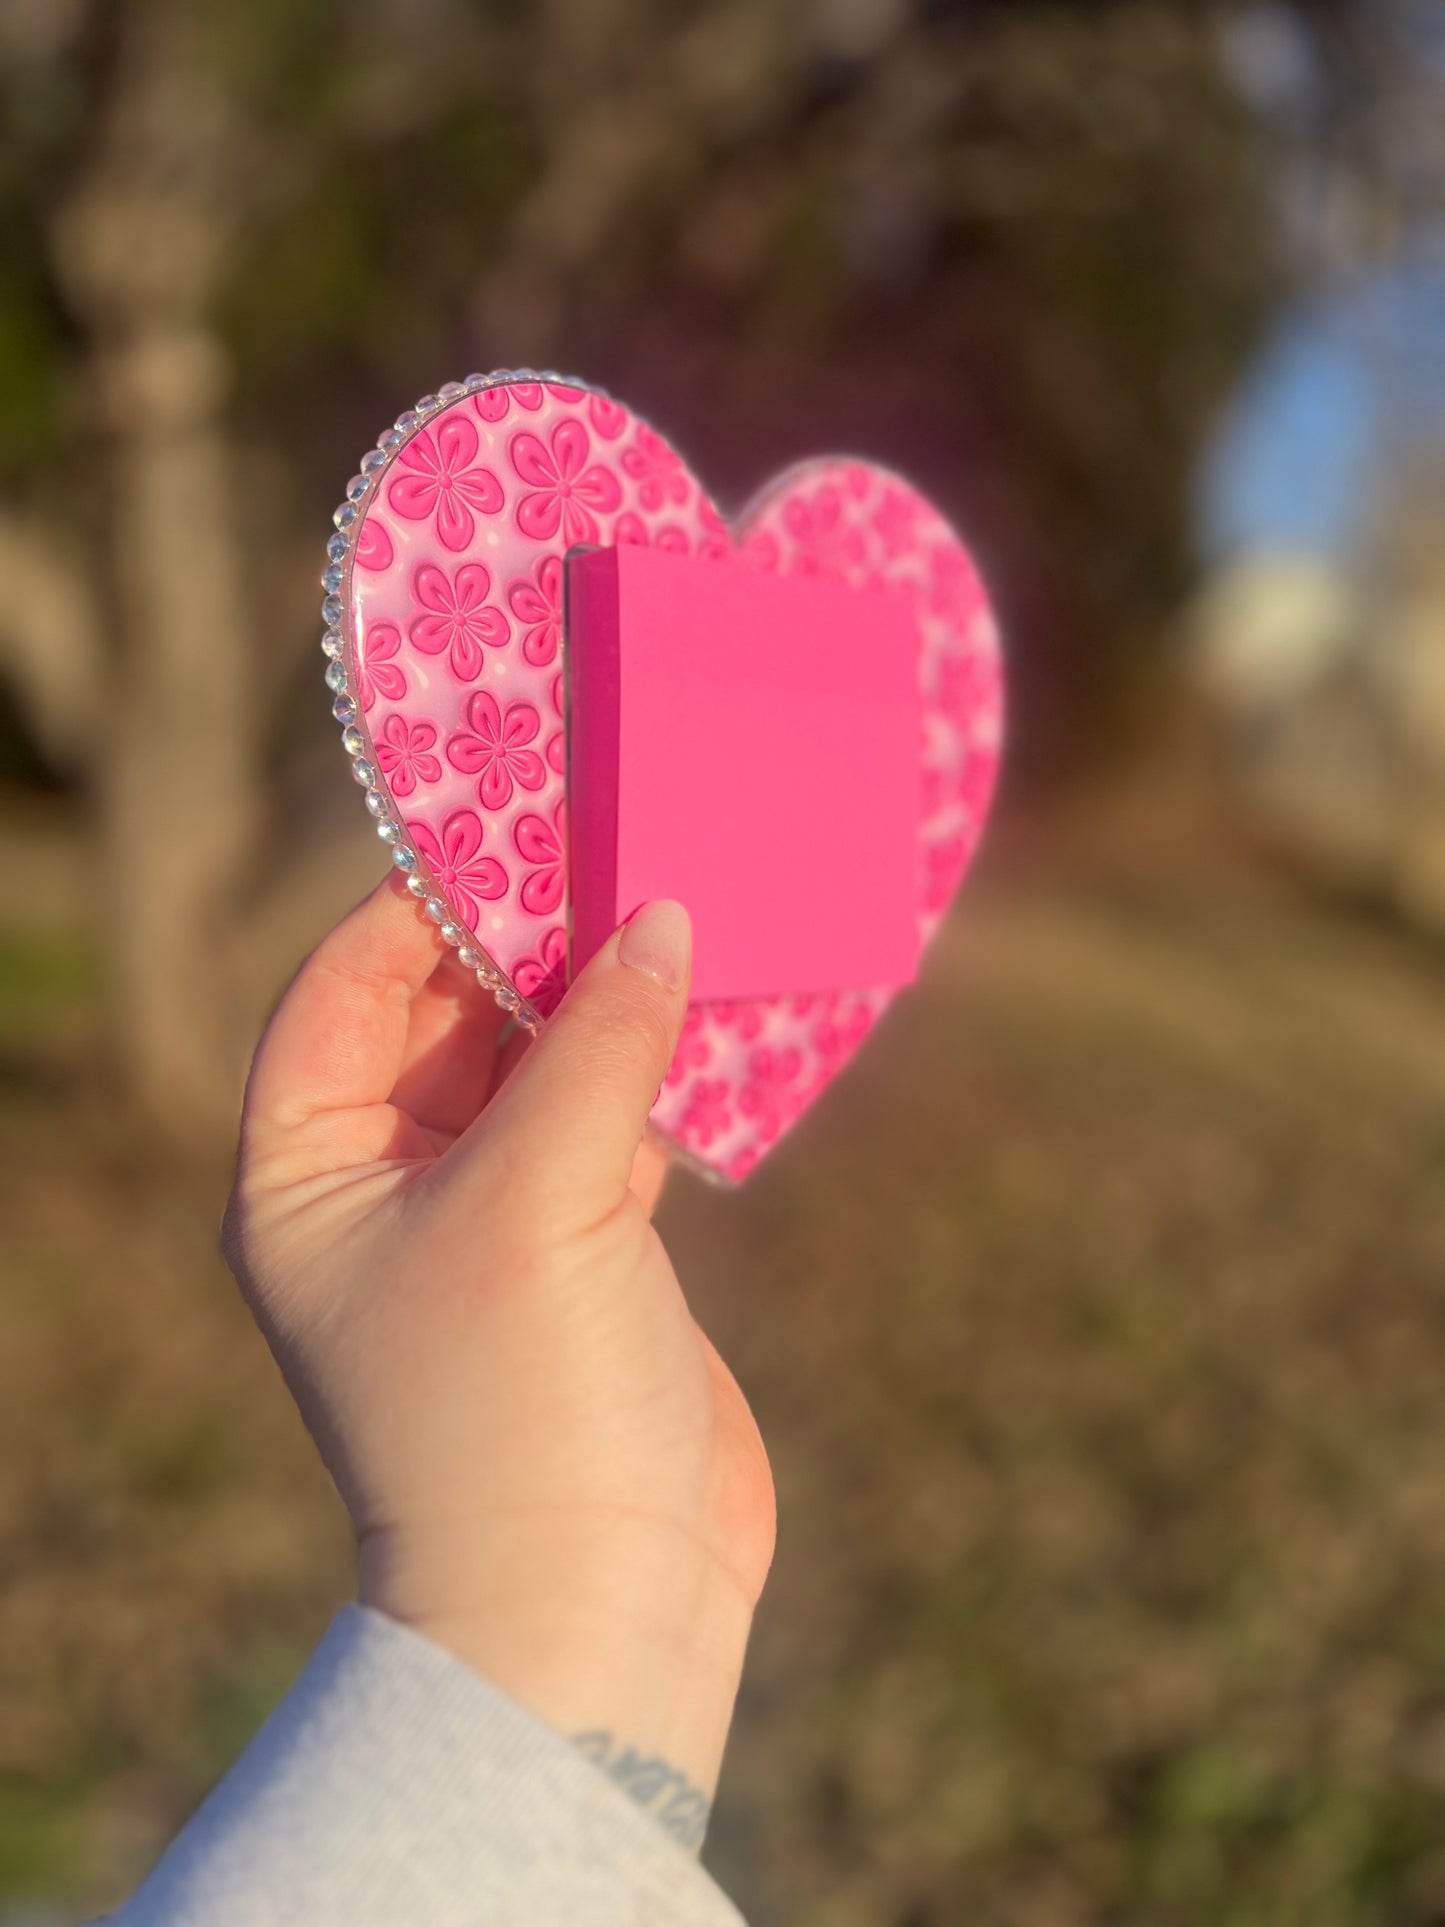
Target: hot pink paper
[
  {"x": 451, "y": 591},
  {"x": 748, "y": 744}
]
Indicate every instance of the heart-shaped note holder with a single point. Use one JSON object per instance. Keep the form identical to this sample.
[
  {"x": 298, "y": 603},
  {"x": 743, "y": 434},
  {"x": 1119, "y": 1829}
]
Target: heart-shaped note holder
[{"x": 444, "y": 628}]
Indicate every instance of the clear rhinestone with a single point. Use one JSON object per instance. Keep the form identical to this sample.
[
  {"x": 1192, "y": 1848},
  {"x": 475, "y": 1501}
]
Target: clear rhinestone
[
  {"x": 377, "y": 803},
  {"x": 452, "y": 933},
  {"x": 357, "y": 487},
  {"x": 417, "y": 885},
  {"x": 352, "y": 740},
  {"x": 403, "y": 858},
  {"x": 336, "y": 547},
  {"x": 426, "y": 404},
  {"x": 331, "y": 577},
  {"x": 336, "y": 677},
  {"x": 333, "y": 642},
  {"x": 372, "y": 461},
  {"x": 487, "y": 977},
  {"x": 474, "y": 382},
  {"x": 469, "y": 957},
  {"x": 450, "y": 390},
  {"x": 364, "y": 772},
  {"x": 388, "y": 439},
  {"x": 345, "y": 515},
  {"x": 407, "y": 420},
  {"x": 437, "y": 910},
  {"x": 344, "y": 709},
  {"x": 508, "y": 999},
  {"x": 388, "y": 831},
  {"x": 331, "y": 610}
]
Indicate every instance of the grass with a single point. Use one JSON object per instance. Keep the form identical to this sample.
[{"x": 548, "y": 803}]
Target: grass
[{"x": 1097, "y": 1328}]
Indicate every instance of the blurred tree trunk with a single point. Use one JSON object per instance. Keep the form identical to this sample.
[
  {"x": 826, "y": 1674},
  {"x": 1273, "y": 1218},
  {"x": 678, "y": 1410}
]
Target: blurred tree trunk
[{"x": 141, "y": 245}]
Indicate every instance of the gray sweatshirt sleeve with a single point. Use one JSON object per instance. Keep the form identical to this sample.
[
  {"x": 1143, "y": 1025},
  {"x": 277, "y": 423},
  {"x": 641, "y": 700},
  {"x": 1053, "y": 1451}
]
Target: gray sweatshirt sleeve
[{"x": 393, "y": 1784}]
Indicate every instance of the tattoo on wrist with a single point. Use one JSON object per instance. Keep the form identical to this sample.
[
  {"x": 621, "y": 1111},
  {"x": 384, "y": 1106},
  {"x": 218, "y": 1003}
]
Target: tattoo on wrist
[{"x": 679, "y": 1807}]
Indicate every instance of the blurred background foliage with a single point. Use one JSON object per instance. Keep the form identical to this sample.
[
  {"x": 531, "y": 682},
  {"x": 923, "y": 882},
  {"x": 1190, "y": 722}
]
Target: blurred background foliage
[{"x": 1103, "y": 1384}]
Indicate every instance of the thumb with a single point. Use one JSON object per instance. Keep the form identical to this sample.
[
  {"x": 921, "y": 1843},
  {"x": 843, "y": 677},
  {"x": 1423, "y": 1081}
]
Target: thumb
[{"x": 576, "y": 1106}]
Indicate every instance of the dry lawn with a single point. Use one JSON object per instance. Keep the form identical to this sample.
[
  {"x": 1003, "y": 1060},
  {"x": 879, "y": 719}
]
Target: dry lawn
[{"x": 1097, "y": 1327}]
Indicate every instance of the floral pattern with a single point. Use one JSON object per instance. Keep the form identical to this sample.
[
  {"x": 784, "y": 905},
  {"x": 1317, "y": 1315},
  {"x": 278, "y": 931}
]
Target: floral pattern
[
  {"x": 543, "y": 978},
  {"x": 455, "y": 860},
  {"x": 458, "y": 622},
  {"x": 709, "y": 1110},
  {"x": 829, "y": 542},
  {"x": 567, "y": 495},
  {"x": 770, "y": 1095},
  {"x": 536, "y": 601},
  {"x": 374, "y": 547},
  {"x": 494, "y": 747},
  {"x": 492, "y": 404},
  {"x": 404, "y": 751},
  {"x": 657, "y": 470},
  {"x": 607, "y": 417},
  {"x": 379, "y": 672},
  {"x": 437, "y": 474},
  {"x": 431, "y": 628},
  {"x": 542, "y": 846}
]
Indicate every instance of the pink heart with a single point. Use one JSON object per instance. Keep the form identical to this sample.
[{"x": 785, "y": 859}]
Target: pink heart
[{"x": 444, "y": 611}]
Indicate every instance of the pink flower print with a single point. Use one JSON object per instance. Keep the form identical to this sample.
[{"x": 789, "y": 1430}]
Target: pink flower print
[
  {"x": 440, "y": 479},
  {"x": 556, "y": 752},
  {"x": 858, "y": 480},
  {"x": 741, "y": 1162},
  {"x": 954, "y": 590},
  {"x": 374, "y": 549},
  {"x": 656, "y": 468},
  {"x": 543, "y": 846},
  {"x": 493, "y": 748},
  {"x": 558, "y": 695},
  {"x": 536, "y": 602},
  {"x": 608, "y": 417},
  {"x": 693, "y": 1049},
  {"x": 840, "y": 1033},
  {"x": 717, "y": 541},
  {"x": 493, "y": 403},
  {"x": 939, "y": 787},
  {"x": 459, "y": 621},
  {"x": 760, "y": 551},
  {"x": 895, "y": 520},
  {"x": 630, "y": 527},
  {"x": 467, "y": 878},
  {"x": 404, "y": 752},
  {"x": 746, "y": 1018},
  {"x": 770, "y": 1096},
  {"x": 826, "y": 543},
  {"x": 708, "y": 1115},
  {"x": 543, "y": 978},
  {"x": 673, "y": 538},
  {"x": 943, "y": 863},
  {"x": 378, "y": 673},
  {"x": 565, "y": 390},
  {"x": 565, "y": 493},
  {"x": 969, "y": 682}
]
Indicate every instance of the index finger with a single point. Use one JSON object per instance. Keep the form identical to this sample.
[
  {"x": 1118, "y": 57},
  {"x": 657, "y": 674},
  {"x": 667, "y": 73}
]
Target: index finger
[{"x": 337, "y": 1039}]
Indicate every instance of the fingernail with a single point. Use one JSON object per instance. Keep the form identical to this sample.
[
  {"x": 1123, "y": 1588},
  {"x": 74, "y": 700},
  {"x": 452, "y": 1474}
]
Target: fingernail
[{"x": 658, "y": 939}]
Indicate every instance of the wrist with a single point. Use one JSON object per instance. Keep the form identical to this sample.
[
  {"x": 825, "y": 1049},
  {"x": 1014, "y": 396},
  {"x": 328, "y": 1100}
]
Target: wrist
[{"x": 622, "y": 1632}]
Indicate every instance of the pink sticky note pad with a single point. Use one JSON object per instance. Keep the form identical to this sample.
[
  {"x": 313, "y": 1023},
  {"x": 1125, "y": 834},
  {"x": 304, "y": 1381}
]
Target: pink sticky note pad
[{"x": 749, "y": 744}]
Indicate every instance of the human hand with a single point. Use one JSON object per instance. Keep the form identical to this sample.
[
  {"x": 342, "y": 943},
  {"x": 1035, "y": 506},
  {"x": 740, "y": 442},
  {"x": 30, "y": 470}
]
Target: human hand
[{"x": 449, "y": 1248}]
